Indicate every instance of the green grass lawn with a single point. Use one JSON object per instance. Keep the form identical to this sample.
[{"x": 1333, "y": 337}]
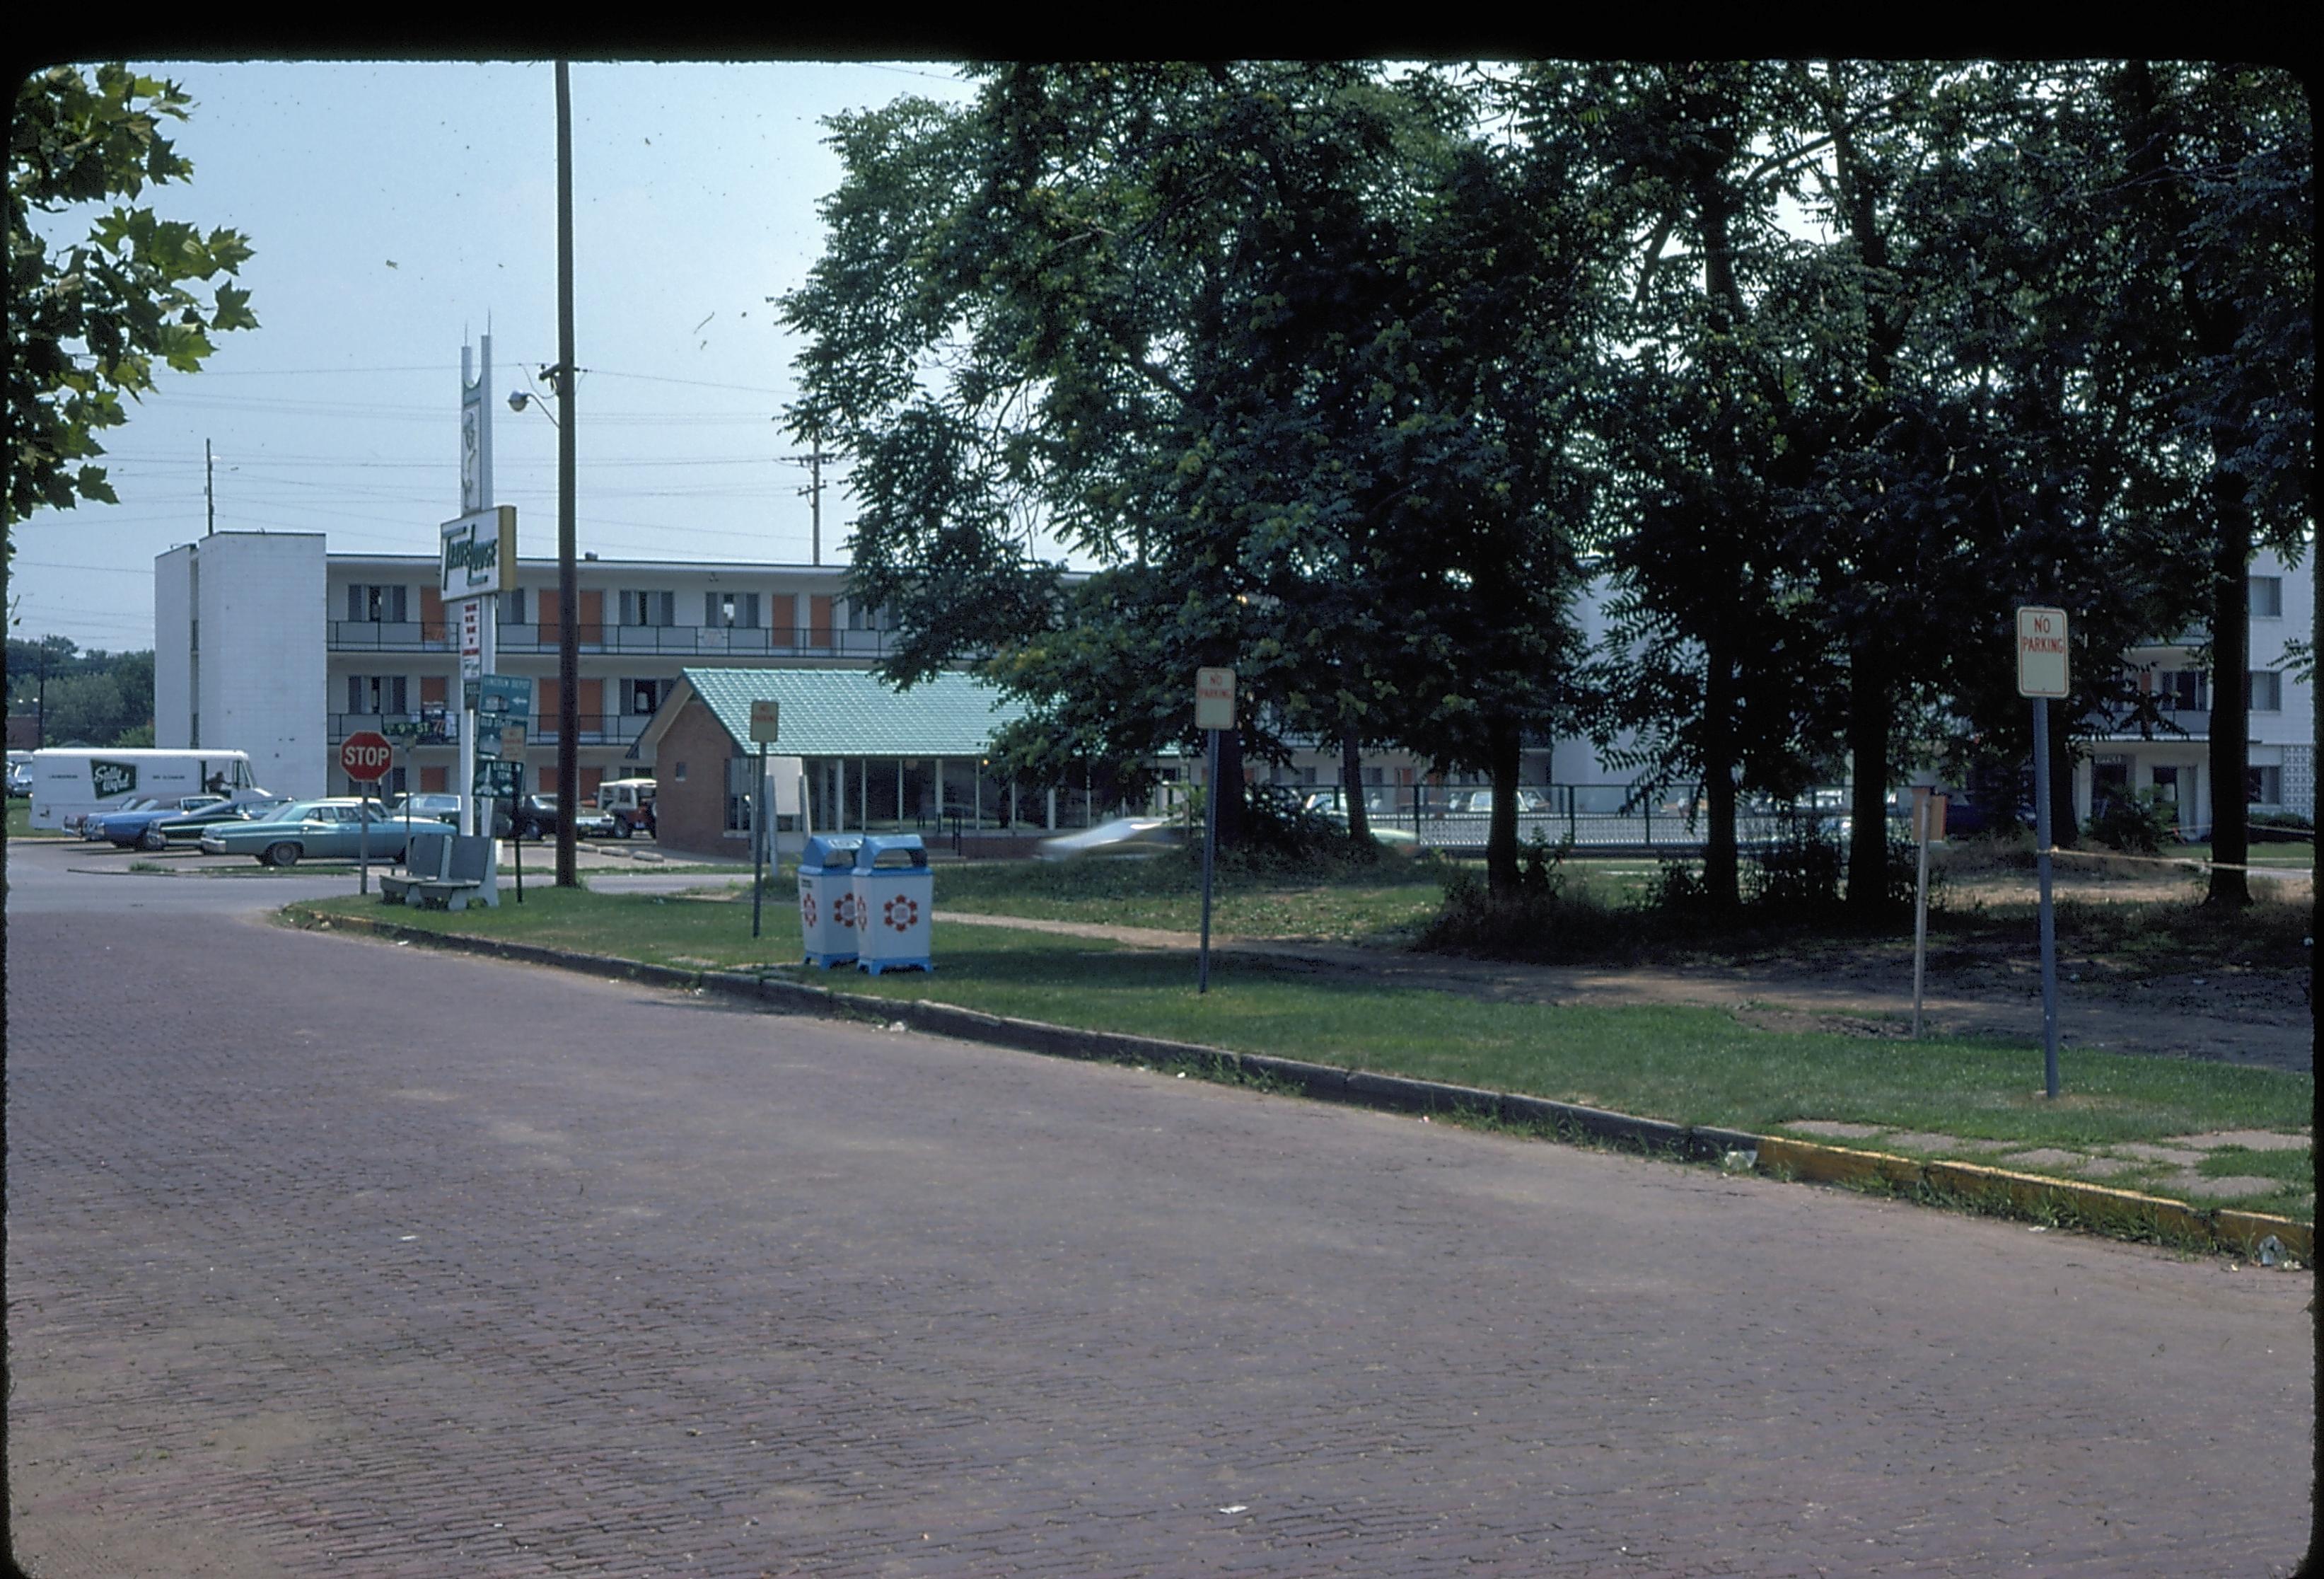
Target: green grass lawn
[
  {"x": 1688, "y": 1066},
  {"x": 20, "y": 822},
  {"x": 2299, "y": 856}
]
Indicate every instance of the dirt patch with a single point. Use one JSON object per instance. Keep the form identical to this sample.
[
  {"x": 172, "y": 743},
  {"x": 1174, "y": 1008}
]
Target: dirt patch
[{"x": 1984, "y": 982}]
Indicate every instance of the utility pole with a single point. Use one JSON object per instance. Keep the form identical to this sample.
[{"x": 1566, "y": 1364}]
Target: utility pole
[
  {"x": 568, "y": 576},
  {"x": 814, "y": 457},
  {"x": 209, "y": 492}
]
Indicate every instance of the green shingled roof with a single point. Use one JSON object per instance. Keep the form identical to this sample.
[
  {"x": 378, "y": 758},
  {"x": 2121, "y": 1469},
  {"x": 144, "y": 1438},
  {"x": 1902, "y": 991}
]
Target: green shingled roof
[{"x": 849, "y": 713}]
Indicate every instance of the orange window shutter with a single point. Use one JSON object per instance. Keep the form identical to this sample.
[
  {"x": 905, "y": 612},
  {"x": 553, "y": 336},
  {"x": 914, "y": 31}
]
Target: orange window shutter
[
  {"x": 431, "y": 781},
  {"x": 590, "y": 778},
  {"x": 548, "y": 612},
  {"x": 818, "y": 619},
  {"x": 431, "y": 616},
  {"x": 432, "y": 689},
  {"x": 593, "y": 618},
  {"x": 546, "y": 722},
  {"x": 593, "y": 702}
]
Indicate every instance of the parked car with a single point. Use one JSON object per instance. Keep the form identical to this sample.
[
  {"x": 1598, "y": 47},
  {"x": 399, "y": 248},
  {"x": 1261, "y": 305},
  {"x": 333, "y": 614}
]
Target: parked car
[
  {"x": 538, "y": 817},
  {"x": 154, "y": 827},
  {"x": 20, "y": 782},
  {"x": 1124, "y": 836},
  {"x": 331, "y": 830},
  {"x": 89, "y": 826},
  {"x": 427, "y": 804},
  {"x": 1479, "y": 802},
  {"x": 631, "y": 804}
]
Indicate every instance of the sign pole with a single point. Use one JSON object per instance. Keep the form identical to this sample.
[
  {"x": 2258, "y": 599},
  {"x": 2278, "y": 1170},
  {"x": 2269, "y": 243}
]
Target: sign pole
[
  {"x": 2049, "y": 915},
  {"x": 1214, "y": 702},
  {"x": 363, "y": 842},
  {"x": 1210, "y": 854},
  {"x": 2043, "y": 672},
  {"x": 1927, "y": 806},
  {"x": 759, "y": 839}
]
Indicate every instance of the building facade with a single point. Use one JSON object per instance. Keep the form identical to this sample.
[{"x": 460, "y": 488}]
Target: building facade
[
  {"x": 266, "y": 642},
  {"x": 2165, "y": 744}
]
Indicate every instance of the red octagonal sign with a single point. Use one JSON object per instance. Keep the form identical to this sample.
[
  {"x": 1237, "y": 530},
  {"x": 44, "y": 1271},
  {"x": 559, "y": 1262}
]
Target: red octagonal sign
[{"x": 366, "y": 756}]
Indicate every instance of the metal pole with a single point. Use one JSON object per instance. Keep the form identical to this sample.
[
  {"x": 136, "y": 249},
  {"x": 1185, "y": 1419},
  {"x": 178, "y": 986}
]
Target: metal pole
[
  {"x": 1210, "y": 855},
  {"x": 568, "y": 578},
  {"x": 1923, "y": 804},
  {"x": 2048, "y": 916},
  {"x": 363, "y": 843},
  {"x": 757, "y": 839}
]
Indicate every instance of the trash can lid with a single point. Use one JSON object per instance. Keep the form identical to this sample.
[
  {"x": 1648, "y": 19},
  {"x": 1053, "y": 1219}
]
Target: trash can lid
[
  {"x": 904, "y": 849},
  {"x": 833, "y": 852}
]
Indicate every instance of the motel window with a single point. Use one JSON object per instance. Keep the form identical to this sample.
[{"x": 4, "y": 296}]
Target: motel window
[
  {"x": 2267, "y": 598},
  {"x": 375, "y": 605},
  {"x": 2264, "y": 691},
  {"x": 732, "y": 610},
  {"x": 648, "y": 608}
]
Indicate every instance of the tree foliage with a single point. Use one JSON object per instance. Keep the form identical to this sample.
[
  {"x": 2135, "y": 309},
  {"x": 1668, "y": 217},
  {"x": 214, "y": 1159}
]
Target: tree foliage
[
  {"x": 1340, "y": 374},
  {"x": 90, "y": 322},
  {"x": 1287, "y": 349}
]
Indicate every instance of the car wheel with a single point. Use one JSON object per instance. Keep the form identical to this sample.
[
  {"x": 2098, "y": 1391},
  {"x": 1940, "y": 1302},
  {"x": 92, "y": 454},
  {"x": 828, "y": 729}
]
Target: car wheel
[
  {"x": 285, "y": 854},
  {"x": 622, "y": 830},
  {"x": 154, "y": 838}
]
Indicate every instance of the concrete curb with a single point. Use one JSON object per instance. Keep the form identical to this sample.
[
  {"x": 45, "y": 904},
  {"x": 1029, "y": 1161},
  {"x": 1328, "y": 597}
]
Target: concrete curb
[{"x": 2123, "y": 1212}]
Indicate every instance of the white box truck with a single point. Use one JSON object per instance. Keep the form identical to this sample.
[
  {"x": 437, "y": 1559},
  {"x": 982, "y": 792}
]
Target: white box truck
[{"x": 69, "y": 785}]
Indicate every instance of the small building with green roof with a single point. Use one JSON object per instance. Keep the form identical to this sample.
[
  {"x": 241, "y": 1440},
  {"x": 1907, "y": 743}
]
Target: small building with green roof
[{"x": 871, "y": 758}]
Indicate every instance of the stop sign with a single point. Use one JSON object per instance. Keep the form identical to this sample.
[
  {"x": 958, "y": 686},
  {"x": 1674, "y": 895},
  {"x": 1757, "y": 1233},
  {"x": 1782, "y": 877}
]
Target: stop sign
[{"x": 366, "y": 756}]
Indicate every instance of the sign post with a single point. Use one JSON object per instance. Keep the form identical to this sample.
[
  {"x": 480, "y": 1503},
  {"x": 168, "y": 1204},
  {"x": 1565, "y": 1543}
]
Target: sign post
[
  {"x": 2042, "y": 675},
  {"x": 1928, "y": 825},
  {"x": 366, "y": 755},
  {"x": 1214, "y": 702},
  {"x": 766, "y": 728}
]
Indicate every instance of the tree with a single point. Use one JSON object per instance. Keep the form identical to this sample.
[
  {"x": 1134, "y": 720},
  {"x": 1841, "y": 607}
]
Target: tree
[
  {"x": 2214, "y": 190},
  {"x": 89, "y": 322},
  {"x": 1227, "y": 330}
]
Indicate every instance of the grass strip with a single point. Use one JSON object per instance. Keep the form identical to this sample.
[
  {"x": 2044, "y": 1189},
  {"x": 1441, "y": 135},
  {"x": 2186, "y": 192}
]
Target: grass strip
[{"x": 1685, "y": 1066}]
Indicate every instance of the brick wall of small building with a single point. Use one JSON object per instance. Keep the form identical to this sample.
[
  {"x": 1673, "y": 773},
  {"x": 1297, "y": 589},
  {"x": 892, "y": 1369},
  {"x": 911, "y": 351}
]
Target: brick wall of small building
[{"x": 690, "y": 811}]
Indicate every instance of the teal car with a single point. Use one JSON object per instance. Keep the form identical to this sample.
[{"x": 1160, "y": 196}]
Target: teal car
[{"x": 323, "y": 830}]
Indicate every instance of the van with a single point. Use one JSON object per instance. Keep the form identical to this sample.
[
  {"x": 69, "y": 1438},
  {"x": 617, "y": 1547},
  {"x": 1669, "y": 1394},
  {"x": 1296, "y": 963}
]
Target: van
[
  {"x": 631, "y": 804},
  {"x": 68, "y": 786}
]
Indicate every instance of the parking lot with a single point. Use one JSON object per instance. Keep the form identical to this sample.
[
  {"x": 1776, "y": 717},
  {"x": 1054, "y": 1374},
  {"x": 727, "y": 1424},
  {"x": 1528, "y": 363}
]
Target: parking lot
[{"x": 330, "y": 1257}]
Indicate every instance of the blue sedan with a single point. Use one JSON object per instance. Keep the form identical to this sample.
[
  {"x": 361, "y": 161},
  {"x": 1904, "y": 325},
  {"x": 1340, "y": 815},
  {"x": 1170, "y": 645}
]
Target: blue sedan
[
  {"x": 153, "y": 827},
  {"x": 332, "y": 829}
]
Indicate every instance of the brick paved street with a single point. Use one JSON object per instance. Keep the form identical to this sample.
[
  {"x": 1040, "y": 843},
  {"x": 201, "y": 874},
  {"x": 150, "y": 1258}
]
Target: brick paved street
[{"x": 329, "y": 1257}]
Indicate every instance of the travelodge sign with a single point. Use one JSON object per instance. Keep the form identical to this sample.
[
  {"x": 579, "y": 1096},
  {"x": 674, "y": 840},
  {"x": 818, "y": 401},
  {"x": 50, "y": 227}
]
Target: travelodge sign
[{"x": 479, "y": 553}]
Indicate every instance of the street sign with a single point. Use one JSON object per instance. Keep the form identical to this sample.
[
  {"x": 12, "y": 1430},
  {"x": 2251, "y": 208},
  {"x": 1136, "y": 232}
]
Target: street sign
[
  {"x": 1214, "y": 699},
  {"x": 499, "y": 696},
  {"x": 2041, "y": 653},
  {"x": 499, "y": 780},
  {"x": 766, "y": 722},
  {"x": 513, "y": 735},
  {"x": 366, "y": 756}
]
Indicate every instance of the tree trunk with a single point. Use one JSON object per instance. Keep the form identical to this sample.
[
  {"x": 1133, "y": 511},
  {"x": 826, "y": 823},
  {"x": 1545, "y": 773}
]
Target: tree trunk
[
  {"x": 1871, "y": 721},
  {"x": 1502, "y": 836},
  {"x": 1721, "y": 875},
  {"x": 2230, "y": 719},
  {"x": 1351, "y": 788}
]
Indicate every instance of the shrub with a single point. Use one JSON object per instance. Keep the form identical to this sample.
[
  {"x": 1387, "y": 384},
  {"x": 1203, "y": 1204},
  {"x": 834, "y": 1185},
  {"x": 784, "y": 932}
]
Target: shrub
[
  {"x": 2136, "y": 825},
  {"x": 1799, "y": 873}
]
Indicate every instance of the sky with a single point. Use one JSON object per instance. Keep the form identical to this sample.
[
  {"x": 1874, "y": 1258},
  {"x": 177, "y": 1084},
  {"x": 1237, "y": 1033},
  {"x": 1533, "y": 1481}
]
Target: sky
[{"x": 396, "y": 211}]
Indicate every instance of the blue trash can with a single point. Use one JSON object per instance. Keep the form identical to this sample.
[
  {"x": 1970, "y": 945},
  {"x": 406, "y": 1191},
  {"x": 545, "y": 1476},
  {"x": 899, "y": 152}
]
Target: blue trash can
[
  {"x": 895, "y": 901},
  {"x": 826, "y": 897}
]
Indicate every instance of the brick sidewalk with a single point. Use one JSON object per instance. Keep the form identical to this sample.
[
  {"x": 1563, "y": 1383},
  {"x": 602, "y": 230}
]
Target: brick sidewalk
[{"x": 622, "y": 1282}]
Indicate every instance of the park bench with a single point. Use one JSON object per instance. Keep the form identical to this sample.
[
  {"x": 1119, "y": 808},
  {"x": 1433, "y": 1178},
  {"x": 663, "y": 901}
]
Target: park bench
[{"x": 447, "y": 869}]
